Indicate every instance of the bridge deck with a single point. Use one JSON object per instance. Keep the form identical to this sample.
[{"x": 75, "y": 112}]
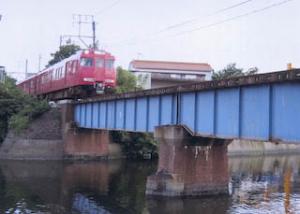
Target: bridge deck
[{"x": 259, "y": 107}]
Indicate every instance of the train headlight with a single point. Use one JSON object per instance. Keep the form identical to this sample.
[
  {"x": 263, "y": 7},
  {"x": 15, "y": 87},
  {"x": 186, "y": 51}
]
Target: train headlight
[{"x": 110, "y": 81}]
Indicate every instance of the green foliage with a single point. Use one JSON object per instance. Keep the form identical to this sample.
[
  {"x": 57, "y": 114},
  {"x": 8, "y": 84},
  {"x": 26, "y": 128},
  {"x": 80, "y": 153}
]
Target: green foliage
[
  {"x": 136, "y": 145},
  {"x": 31, "y": 110},
  {"x": 19, "y": 123},
  {"x": 232, "y": 71},
  {"x": 64, "y": 52},
  {"x": 126, "y": 81},
  {"x": 16, "y": 108}
]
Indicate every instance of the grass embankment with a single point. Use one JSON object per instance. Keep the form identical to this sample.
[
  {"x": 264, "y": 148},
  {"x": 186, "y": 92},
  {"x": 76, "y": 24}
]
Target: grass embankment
[{"x": 17, "y": 109}]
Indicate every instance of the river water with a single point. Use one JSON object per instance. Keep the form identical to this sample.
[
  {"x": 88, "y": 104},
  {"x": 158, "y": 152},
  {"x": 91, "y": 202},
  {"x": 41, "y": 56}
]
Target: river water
[{"x": 257, "y": 185}]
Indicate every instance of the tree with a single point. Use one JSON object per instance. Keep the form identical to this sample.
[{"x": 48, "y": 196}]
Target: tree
[
  {"x": 17, "y": 109},
  {"x": 64, "y": 52},
  {"x": 126, "y": 81},
  {"x": 232, "y": 71}
]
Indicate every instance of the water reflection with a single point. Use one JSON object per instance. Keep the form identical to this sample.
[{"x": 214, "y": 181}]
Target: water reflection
[
  {"x": 265, "y": 184},
  {"x": 258, "y": 185}
]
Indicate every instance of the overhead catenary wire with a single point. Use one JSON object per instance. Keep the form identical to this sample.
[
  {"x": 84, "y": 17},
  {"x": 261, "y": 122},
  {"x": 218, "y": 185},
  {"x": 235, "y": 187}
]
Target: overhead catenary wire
[
  {"x": 252, "y": 12},
  {"x": 188, "y": 21},
  {"x": 277, "y": 4},
  {"x": 194, "y": 19},
  {"x": 104, "y": 10}
]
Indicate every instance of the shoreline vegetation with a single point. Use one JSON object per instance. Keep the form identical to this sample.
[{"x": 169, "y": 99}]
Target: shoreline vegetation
[{"x": 17, "y": 109}]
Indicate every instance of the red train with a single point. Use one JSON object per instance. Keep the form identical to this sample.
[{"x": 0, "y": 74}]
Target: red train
[{"x": 85, "y": 73}]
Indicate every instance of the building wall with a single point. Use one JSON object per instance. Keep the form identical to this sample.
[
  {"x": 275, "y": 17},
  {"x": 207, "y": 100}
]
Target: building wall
[
  {"x": 149, "y": 80},
  {"x": 166, "y": 83}
]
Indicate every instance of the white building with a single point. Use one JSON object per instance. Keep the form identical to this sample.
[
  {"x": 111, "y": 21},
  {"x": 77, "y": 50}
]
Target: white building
[{"x": 156, "y": 74}]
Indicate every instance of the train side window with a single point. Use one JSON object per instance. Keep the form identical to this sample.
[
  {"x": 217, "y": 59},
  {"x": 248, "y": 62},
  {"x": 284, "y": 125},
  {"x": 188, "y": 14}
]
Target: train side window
[
  {"x": 99, "y": 63},
  {"x": 56, "y": 74},
  {"x": 74, "y": 66},
  {"x": 69, "y": 67},
  {"x": 86, "y": 62},
  {"x": 53, "y": 74},
  {"x": 62, "y": 72}
]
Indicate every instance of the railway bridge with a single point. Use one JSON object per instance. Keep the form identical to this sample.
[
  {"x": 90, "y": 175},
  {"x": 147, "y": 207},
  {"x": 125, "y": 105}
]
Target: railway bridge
[{"x": 194, "y": 123}]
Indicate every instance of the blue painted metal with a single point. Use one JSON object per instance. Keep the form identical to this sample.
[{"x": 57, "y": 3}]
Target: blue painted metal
[
  {"x": 254, "y": 117},
  {"x": 120, "y": 114},
  {"x": 205, "y": 113},
  {"x": 227, "y": 112},
  {"x": 95, "y": 115},
  {"x": 141, "y": 115},
  {"x": 103, "y": 115},
  {"x": 166, "y": 110},
  {"x": 130, "y": 114},
  {"x": 187, "y": 110},
  {"x": 268, "y": 111},
  {"x": 153, "y": 113},
  {"x": 286, "y": 112}
]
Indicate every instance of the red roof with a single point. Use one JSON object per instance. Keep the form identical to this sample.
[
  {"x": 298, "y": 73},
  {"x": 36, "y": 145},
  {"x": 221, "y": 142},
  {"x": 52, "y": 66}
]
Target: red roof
[{"x": 165, "y": 65}]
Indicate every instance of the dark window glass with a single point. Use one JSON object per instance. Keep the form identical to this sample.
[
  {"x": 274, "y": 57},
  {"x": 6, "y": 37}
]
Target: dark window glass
[
  {"x": 109, "y": 64},
  {"x": 86, "y": 62},
  {"x": 99, "y": 63}
]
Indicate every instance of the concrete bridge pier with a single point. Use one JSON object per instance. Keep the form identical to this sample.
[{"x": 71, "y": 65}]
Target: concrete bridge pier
[
  {"x": 188, "y": 166},
  {"x": 81, "y": 143}
]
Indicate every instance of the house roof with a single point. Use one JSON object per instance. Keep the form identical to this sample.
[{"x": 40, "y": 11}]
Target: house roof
[{"x": 167, "y": 65}]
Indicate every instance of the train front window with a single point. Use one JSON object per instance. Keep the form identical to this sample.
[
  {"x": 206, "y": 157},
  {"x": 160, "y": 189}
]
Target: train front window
[
  {"x": 109, "y": 64},
  {"x": 86, "y": 62},
  {"x": 99, "y": 63}
]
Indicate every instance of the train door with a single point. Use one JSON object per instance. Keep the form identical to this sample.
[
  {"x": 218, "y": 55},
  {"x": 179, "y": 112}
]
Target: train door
[{"x": 71, "y": 73}]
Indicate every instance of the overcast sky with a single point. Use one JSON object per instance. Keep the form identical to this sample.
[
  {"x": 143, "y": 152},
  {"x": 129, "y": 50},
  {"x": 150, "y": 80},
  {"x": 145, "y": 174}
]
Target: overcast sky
[{"x": 262, "y": 33}]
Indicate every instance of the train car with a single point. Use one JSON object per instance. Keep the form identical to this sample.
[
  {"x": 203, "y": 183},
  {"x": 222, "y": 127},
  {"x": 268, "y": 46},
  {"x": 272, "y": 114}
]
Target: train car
[{"x": 86, "y": 73}]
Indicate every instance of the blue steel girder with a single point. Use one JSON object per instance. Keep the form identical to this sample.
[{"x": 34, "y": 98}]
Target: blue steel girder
[{"x": 259, "y": 107}]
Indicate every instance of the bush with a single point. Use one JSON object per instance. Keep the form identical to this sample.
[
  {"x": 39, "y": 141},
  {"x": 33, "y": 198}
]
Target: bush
[
  {"x": 32, "y": 110},
  {"x": 19, "y": 122},
  {"x": 16, "y": 108},
  {"x": 136, "y": 145}
]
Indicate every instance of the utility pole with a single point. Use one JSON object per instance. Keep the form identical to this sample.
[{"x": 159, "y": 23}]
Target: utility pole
[
  {"x": 81, "y": 19},
  {"x": 40, "y": 59},
  {"x": 94, "y": 34},
  {"x": 26, "y": 68}
]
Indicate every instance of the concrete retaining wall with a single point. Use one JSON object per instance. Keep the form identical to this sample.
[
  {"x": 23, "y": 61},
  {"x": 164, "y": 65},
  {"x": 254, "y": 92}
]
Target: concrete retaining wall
[
  {"x": 41, "y": 140},
  {"x": 239, "y": 148}
]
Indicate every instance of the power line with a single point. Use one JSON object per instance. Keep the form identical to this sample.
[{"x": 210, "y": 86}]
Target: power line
[
  {"x": 212, "y": 14},
  {"x": 235, "y": 17},
  {"x": 194, "y": 19},
  {"x": 108, "y": 8},
  {"x": 225, "y": 20}
]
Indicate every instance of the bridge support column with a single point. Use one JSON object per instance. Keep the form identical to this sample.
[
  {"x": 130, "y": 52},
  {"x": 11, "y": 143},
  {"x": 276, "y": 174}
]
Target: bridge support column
[
  {"x": 188, "y": 166},
  {"x": 82, "y": 143}
]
